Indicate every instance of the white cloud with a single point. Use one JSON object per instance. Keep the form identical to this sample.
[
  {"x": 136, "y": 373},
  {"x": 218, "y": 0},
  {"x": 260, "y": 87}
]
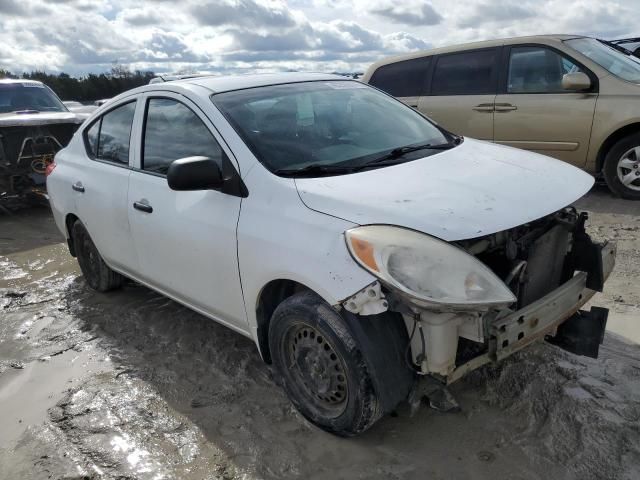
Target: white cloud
[{"x": 81, "y": 36}]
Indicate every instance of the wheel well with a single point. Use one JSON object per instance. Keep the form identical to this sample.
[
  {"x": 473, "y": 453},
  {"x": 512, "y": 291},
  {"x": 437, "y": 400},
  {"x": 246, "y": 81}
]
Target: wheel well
[
  {"x": 69, "y": 221},
  {"x": 272, "y": 295},
  {"x": 612, "y": 140}
]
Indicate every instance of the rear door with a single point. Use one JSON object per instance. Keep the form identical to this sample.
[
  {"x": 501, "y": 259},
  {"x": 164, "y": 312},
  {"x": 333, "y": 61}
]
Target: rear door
[
  {"x": 534, "y": 112},
  {"x": 185, "y": 240},
  {"x": 405, "y": 80},
  {"x": 462, "y": 92},
  {"x": 100, "y": 181}
]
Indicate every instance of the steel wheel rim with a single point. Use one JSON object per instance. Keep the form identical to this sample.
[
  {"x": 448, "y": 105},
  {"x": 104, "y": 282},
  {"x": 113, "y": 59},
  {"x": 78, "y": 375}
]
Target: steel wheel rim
[
  {"x": 628, "y": 169},
  {"x": 317, "y": 370}
]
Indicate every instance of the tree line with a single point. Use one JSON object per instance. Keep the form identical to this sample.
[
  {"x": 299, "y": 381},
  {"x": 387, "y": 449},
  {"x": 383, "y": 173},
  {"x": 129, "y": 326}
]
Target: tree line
[{"x": 88, "y": 88}]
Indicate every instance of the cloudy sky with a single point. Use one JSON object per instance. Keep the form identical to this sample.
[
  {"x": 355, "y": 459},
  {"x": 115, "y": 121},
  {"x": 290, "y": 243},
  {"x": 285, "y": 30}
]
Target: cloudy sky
[{"x": 81, "y": 36}]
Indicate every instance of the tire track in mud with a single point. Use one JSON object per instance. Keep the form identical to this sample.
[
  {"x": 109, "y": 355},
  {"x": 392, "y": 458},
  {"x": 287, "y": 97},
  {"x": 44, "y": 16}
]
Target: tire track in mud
[{"x": 575, "y": 411}]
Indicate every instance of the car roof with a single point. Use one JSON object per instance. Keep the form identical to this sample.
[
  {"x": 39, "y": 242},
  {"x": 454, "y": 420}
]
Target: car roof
[
  {"x": 471, "y": 46},
  {"x": 220, "y": 84},
  {"x": 7, "y": 81}
]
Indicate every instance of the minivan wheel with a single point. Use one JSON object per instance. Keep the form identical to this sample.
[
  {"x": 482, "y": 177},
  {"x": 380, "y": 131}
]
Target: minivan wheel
[
  {"x": 322, "y": 368},
  {"x": 622, "y": 168},
  {"x": 96, "y": 273}
]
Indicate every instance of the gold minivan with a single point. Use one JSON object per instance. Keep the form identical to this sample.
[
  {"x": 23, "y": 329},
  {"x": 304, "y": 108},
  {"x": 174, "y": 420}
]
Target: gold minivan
[{"x": 571, "y": 97}]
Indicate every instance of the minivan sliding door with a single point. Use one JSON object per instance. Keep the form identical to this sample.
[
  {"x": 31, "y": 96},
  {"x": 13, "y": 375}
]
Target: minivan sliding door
[{"x": 462, "y": 93}]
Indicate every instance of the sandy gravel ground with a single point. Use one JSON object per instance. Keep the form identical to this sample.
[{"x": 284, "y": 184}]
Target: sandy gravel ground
[{"x": 130, "y": 385}]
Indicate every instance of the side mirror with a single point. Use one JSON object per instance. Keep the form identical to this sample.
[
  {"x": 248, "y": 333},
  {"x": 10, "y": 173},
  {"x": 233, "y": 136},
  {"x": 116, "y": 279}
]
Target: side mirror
[
  {"x": 194, "y": 173},
  {"x": 576, "y": 81}
]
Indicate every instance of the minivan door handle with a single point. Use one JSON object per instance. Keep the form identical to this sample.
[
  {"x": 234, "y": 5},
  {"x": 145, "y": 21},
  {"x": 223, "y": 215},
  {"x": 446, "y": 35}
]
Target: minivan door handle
[
  {"x": 143, "y": 207},
  {"x": 505, "y": 107},
  {"x": 483, "y": 107},
  {"x": 78, "y": 187}
]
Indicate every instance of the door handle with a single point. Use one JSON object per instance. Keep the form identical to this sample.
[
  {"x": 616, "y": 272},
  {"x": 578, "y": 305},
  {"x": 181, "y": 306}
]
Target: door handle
[
  {"x": 484, "y": 107},
  {"x": 78, "y": 187},
  {"x": 413, "y": 105},
  {"x": 505, "y": 107},
  {"x": 143, "y": 207}
]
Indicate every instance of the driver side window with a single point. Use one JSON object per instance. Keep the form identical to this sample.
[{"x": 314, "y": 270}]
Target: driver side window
[
  {"x": 538, "y": 70},
  {"x": 172, "y": 131}
]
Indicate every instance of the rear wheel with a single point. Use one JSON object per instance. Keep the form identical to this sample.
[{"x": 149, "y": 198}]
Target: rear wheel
[
  {"x": 622, "y": 167},
  {"x": 323, "y": 370},
  {"x": 96, "y": 273}
]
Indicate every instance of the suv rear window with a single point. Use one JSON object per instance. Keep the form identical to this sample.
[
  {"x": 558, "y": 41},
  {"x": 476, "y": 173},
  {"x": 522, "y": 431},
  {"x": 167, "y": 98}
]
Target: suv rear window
[
  {"x": 402, "y": 79},
  {"x": 465, "y": 73}
]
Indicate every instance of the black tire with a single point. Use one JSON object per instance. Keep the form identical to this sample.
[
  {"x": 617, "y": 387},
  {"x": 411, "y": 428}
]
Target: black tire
[
  {"x": 96, "y": 273},
  {"x": 612, "y": 161},
  {"x": 327, "y": 380}
]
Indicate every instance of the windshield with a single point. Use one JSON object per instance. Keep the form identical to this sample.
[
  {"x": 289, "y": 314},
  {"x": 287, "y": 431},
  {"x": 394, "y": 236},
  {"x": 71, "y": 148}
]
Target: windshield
[
  {"x": 617, "y": 63},
  {"x": 328, "y": 123},
  {"x": 16, "y": 97}
]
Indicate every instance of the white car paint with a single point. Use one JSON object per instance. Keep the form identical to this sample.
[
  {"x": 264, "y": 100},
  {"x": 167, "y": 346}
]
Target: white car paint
[
  {"x": 473, "y": 190},
  {"x": 216, "y": 253}
]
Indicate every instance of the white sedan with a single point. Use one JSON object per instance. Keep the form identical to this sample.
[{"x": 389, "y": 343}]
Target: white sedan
[{"x": 357, "y": 243}]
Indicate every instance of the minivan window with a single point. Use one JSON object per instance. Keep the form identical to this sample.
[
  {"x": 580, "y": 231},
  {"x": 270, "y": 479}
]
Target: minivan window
[
  {"x": 465, "y": 73},
  {"x": 329, "y": 123},
  {"x": 537, "y": 70},
  {"x": 617, "y": 63},
  {"x": 402, "y": 79},
  {"x": 108, "y": 138},
  {"x": 174, "y": 131}
]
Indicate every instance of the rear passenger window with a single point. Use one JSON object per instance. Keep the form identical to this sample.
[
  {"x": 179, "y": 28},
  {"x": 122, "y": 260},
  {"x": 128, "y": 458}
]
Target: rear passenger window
[
  {"x": 173, "y": 131},
  {"x": 108, "y": 138},
  {"x": 402, "y": 79},
  {"x": 92, "y": 137},
  {"x": 466, "y": 73}
]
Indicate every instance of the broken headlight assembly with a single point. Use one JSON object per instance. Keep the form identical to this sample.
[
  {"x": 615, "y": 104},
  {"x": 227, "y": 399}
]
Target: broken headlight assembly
[{"x": 432, "y": 272}]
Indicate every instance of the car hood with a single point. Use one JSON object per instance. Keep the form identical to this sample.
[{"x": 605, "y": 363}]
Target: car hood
[
  {"x": 40, "y": 118},
  {"x": 475, "y": 189}
]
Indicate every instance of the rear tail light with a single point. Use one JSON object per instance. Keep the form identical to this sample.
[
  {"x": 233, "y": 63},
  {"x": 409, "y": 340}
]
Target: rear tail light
[{"x": 49, "y": 168}]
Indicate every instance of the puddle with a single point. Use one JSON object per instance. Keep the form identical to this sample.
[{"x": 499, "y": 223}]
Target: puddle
[{"x": 26, "y": 394}]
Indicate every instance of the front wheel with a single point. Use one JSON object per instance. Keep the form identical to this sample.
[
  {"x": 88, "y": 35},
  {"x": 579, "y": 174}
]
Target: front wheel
[
  {"x": 323, "y": 370},
  {"x": 622, "y": 168},
  {"x": 95, "y": 271}
]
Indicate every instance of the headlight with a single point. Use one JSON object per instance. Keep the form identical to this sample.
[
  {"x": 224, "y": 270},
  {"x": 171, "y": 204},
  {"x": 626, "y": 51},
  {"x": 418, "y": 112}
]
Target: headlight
[{"x": 425, "y": 268}]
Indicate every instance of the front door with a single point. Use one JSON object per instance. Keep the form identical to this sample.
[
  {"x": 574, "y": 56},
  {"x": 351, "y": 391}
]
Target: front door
[
  {"x": 462, "y": 93},
  {"x": 186, "y": 241},
  {"x": 534, "y": 112}
]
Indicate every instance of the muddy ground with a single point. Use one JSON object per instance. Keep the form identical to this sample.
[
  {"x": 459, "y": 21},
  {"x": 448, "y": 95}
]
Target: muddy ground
[{"x": 132, "y": 385}]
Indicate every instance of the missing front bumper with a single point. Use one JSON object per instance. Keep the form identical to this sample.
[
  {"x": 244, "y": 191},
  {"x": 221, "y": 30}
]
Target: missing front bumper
[{"x": 515, "y": 331}]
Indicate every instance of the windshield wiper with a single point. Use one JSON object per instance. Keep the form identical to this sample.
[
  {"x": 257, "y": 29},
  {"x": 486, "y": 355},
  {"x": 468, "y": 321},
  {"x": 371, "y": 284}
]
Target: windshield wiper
[
  {"x": 313, "y": 170},
  {"x": 616, "y": 46},
  {"x": 390, "y": 158},
  {"x": 396, "y": 153}
]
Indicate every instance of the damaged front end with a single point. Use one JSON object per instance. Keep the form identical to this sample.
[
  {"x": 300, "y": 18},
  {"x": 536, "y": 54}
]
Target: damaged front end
[
  {"x": 27, "y": 150},
  {"x": 34, "y": 126},
  {"x": 460, "y": 317}
]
